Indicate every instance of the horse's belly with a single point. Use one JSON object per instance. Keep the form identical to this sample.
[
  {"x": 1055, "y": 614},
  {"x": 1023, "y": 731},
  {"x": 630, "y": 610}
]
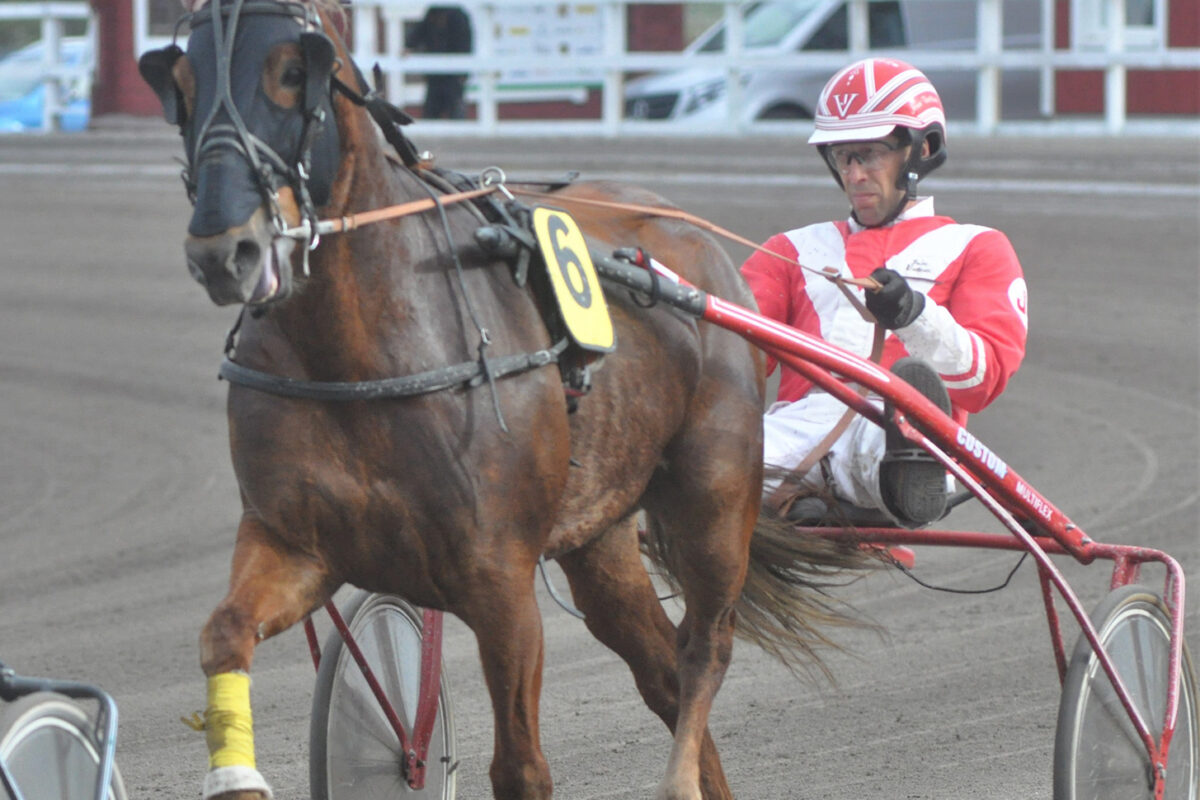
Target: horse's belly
[{"x": 410, "y": 503}]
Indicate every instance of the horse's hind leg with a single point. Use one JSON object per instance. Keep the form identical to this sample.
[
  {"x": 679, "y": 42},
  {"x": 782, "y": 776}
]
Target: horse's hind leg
[
  {"x": 271, "y": 587},
  {"x": 502, "y": 611},
  {"x": 706, "y": 514},
  {"x": 610, "y": 586}
]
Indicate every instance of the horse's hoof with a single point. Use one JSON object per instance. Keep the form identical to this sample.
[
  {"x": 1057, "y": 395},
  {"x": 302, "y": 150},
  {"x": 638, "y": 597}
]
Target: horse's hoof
[
  {"x": 670, "y": 790},
  {"x": 235, "y": 783}
]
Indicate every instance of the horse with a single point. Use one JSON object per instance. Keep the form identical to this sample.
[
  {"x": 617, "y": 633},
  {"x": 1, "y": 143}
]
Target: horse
[{"x": 450, "y": 497}]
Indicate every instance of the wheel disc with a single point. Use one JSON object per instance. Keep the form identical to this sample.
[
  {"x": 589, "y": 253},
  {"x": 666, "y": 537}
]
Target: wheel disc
[
  {"x": 359, "y": 754},
  {"x": 46, "y": 744},
  {"x": 1099, "y": 753}
]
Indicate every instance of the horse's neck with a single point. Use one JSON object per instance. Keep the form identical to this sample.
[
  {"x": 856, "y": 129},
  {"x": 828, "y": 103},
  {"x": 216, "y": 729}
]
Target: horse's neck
[
  {"x": 377, "y": 180},
  {"x": 361, "y": 282}
]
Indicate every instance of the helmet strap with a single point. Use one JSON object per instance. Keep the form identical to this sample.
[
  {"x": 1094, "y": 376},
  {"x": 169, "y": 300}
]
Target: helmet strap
[
  {"x": 914, "y": 169},
  {"x": 908, "y": 177}
]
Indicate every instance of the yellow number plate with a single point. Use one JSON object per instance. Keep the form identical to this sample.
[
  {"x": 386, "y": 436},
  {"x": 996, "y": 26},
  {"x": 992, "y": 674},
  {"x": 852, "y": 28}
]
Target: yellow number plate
[{"x": 576, "y": 285}]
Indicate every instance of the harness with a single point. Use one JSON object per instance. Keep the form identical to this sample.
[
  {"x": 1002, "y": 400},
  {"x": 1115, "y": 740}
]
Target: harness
[
  {"x": 511, "y": 217},
  {"x": 469, "y": 374},
  {"x": 506, "y": 232}
]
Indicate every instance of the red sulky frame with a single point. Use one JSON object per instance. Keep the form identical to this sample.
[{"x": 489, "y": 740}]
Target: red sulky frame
[
  {"x": 416, "y": 746},
  {"x": 1009, "y": 497},
  {"x": 1001, "y": 490},
  {"x": 1036, "y": 525}
]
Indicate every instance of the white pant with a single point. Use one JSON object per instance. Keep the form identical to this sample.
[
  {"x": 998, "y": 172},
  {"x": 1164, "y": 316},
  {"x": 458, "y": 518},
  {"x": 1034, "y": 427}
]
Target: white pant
[{"x": 792, "y": 430}]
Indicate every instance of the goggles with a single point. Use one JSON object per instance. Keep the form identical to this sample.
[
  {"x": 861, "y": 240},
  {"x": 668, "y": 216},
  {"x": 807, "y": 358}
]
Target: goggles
[{"x": 871, "y": 155}]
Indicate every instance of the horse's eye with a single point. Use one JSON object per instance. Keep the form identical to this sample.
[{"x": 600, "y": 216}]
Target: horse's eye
[{"x": 293, "y": 77}]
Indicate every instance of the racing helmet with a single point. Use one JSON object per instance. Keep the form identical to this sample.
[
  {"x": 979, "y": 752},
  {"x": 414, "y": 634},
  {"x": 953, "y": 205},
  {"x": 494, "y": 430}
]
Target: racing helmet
[{"x": 871, "y": 98}]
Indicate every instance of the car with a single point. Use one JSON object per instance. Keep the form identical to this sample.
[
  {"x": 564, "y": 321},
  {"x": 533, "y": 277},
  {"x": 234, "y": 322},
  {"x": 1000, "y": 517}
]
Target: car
[
  {"x": 23, "y": 86},
  {"x": 785, "y": 27}
]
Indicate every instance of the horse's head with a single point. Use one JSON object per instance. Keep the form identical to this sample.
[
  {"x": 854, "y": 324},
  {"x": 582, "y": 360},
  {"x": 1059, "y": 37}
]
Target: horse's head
[{"x": 252, "y": 99}]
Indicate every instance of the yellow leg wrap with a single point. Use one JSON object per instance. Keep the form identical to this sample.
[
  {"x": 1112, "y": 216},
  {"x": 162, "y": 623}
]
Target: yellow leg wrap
[{"x": 227, "y": 722}]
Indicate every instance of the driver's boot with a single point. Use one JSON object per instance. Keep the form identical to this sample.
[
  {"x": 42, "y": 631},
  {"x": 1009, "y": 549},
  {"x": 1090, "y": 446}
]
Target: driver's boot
[{"x": 912, "y": 482}]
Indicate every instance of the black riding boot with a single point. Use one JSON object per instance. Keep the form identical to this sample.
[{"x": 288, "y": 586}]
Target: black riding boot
[{"x": 912, "y": 482}]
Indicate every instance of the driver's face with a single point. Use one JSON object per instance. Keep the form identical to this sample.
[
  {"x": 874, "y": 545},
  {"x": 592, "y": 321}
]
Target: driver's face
[{"x": 870, "y": 171}]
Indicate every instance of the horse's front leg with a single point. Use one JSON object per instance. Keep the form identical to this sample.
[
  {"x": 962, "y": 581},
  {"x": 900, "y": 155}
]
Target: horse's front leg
[
  {"x": 508, "y": 627},
  {"x": 272, "y": 586}
]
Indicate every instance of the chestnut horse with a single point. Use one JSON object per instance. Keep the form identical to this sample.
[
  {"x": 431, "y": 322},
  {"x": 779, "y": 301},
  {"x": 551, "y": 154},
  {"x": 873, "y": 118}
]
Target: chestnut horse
[{"x": 449, "y": 498}]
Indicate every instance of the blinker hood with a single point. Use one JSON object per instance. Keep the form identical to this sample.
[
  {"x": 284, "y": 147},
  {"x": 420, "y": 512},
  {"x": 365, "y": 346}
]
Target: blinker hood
[{"x": 291, "y": 146}]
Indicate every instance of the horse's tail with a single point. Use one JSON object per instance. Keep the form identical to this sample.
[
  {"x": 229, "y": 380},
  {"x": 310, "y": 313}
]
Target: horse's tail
[{"x": 786, "y": 605}]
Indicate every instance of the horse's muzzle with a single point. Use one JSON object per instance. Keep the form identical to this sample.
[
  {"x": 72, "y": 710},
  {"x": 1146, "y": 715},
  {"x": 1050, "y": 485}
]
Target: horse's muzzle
[{"x": 246, "y": 264}]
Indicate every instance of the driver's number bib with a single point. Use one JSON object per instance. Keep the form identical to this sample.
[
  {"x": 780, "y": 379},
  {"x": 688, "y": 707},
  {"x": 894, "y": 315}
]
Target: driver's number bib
[{"x": 573, "y": 276}]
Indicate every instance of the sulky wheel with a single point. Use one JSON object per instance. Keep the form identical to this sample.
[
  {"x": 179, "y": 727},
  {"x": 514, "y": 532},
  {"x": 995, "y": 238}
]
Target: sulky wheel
[
  {"x": 354, "y": 753},
  {"x": 50, "y": 748},
  {"x": 1097, "y": 752}
]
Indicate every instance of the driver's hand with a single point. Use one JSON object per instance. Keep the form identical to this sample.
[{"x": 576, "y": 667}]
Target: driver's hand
[{"x": 895, "y": 304}]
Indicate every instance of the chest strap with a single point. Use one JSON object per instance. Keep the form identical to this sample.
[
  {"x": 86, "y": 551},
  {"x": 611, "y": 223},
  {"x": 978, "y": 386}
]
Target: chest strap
[{"x": 469, "y": 373}]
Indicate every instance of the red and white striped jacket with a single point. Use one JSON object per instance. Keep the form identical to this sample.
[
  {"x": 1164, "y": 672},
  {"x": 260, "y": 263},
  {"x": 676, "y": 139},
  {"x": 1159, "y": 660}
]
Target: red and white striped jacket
[{"x": 972, "y": 330}]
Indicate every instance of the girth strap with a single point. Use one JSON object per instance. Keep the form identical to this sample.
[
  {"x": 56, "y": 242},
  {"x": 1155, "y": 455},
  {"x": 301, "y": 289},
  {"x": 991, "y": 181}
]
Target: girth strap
[{"x": 469, "y": 373}]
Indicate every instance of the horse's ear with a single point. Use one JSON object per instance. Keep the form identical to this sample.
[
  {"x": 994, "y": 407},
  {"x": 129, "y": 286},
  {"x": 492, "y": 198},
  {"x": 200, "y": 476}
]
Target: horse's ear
[
  {"x": 155, "y": 67},
  {"x": 318, "y": 54}
]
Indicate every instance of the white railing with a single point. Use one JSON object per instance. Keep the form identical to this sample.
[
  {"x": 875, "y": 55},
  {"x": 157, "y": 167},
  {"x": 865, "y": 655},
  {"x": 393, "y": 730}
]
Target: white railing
[
  {"x": 606, "y": 64},
  {"x": 53, "y": 70}
]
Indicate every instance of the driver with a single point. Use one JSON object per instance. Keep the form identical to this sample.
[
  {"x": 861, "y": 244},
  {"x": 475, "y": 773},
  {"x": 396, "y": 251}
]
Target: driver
[{"x": 952, "y": 299}]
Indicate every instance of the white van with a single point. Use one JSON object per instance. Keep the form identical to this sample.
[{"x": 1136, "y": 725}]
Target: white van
[{"x": 793, "y": 26}]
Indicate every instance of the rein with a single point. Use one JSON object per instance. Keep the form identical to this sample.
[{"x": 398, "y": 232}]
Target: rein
[
  {"x": 829, "y": 273},
  {"x": 782, "y": 497},
  {"x": 350, "y": 222},
  {"x": 473, "y": 372}
]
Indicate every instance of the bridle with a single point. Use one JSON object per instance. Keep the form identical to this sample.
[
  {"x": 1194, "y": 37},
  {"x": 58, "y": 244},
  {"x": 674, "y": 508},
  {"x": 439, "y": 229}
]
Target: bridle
[{"x": 270, "y": 168}]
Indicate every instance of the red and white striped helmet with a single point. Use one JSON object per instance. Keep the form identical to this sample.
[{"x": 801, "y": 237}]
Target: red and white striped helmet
[{"x": 869, "y": 98}]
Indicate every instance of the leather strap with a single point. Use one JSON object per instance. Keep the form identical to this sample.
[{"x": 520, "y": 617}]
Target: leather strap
[
  {"x": 469, "y": 373},
  {"x": 352, "y": 221},
  {"x": 676, "y": 213},
  {"x": 780, "y": 498}
]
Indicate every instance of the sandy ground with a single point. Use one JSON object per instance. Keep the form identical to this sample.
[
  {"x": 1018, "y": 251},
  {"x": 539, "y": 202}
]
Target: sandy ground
[{"x": 118, "y": 503}]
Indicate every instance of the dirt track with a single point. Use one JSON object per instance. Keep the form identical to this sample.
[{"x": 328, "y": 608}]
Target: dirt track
[{"x": 117, "y": 503}]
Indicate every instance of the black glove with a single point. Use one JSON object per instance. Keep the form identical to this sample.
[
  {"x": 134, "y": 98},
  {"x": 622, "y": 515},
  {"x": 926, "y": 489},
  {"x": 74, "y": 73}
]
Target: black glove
[{"x": 896, "y": 304}]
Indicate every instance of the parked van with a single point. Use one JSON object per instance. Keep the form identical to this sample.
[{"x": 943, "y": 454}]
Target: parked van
[{"x": 786, "y": 27}]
